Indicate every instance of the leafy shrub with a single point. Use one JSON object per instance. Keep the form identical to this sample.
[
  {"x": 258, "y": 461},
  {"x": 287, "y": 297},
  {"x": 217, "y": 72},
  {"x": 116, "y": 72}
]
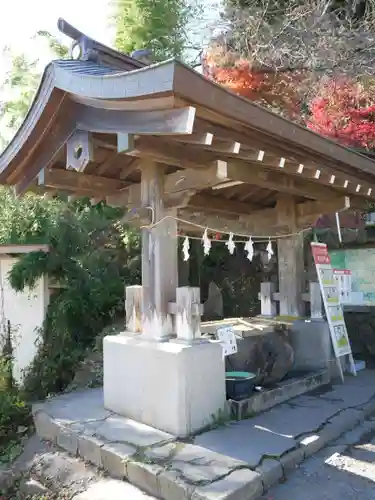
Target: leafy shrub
[{"x": 91, "y": 255}]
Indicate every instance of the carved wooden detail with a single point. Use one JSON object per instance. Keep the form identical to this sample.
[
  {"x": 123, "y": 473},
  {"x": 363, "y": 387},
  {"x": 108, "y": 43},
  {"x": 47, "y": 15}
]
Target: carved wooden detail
[{"x": 79, "y": 151}]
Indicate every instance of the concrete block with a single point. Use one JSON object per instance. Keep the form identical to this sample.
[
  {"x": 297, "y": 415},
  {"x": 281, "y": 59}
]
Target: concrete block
[
  {"x": 45, "y": 426},
  {"x": 67, "y": 440},
  {"x": 173, "y": 487},
  {"x": 291, "y": 460},
  {"x": 342, "y": 422},
  {"x": 311, "y": 444},
  {"x": 243, "y": 484},
  {"x": 311, "y": 342},
  {"x": 124, "y": 430},
  {"x": 270, "y": 472},
  {"x": 115, "y": 457},
  {"x": 200, "y": 465},
  {"x": 89, "y": 448},
  {"x": 355, "y": 435},
  {"x": 162, "y": 453},
  {"x": 167, "y": 393},
  {"x": 145, "y": 476}
]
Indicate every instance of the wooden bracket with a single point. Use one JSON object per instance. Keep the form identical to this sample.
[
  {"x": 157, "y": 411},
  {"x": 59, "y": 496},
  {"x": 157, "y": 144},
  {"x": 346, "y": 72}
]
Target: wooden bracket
[{"x": 79, "y": 151}]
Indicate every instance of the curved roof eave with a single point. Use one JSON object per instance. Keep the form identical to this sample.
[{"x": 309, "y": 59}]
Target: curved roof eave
[
  {"x": 95, "y": 82},
  {"x": 86, "y": 80}
]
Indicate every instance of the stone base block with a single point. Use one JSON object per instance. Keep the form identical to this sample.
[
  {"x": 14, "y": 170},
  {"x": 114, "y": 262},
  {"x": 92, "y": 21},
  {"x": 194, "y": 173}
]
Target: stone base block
[
  {"x": 174, "y": 387},
  {"x": 311, "y": 342}
]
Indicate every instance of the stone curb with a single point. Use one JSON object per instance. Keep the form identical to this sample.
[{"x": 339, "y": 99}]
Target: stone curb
[{"x": 121, "y": 460}]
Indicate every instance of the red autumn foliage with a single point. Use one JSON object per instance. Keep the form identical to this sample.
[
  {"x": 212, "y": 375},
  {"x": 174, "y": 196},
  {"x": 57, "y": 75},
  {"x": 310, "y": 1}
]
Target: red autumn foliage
[
  {"x": 276, "y": 90},
  {"x": 344, "y": 111}
]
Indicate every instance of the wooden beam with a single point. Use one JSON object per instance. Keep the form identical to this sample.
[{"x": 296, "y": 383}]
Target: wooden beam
[
  {"x": 275, "y": 181},
  {"x": 171, "y": 153},
  {"x": 171, "y": 121},
  {"x": 253, "y": 171},
  {"x": 294, "y": 163},
  {"x": 190, "y": 180},
  {"x": 82, "y": 183},
  {"x": 129, "y": 169},
  {"x": 202, "y": 138},
  {"x": 218, "y": 204},
  {"x": 56, "y": 141},
  {"x": 246, "y": 226},
  {"x": 108, "y": 163},
  {"x": 308, "y": 213}
]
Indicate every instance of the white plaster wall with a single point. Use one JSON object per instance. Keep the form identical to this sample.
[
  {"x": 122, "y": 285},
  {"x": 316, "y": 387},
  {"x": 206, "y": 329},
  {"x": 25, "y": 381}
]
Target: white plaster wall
[{"x": 26, "y": 312}]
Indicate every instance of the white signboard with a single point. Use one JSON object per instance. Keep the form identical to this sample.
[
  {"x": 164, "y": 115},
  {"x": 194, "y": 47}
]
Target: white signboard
[
  {"x": 343, "y": 278},
  {"x": 331, "y": 299},
  {"x": 227, "y": 339}
]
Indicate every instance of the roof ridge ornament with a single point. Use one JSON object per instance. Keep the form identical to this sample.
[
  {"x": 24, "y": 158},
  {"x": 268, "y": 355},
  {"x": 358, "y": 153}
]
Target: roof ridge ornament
[{"x": 85, "y": 48}]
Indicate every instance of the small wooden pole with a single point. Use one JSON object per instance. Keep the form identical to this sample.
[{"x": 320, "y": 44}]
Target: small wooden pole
[
  {"x": 188, "y": 312},
  {"x": 267, "y": 304},
  {"x": 159, "y": 256},
  {"x": 316, "y": 304},
  {"x": 133, "y": 308}
]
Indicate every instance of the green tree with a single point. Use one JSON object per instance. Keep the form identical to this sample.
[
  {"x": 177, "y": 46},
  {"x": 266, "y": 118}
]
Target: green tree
[
  {"x": 20, "y": 85},
  {"x": 163, "y": 26}
]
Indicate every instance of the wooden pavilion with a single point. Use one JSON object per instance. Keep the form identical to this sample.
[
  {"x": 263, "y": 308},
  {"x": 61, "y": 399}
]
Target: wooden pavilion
[{"x": 165, "y": 141}]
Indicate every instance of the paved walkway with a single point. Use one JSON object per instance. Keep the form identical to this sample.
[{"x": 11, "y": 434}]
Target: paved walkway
[
  {"x": 241, "y": 458},
  {"x": 344, "y": 471}
]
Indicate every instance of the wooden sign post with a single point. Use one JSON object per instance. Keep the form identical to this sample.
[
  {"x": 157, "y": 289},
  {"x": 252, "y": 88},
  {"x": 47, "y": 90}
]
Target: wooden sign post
[{"x": 333, "y": 307}]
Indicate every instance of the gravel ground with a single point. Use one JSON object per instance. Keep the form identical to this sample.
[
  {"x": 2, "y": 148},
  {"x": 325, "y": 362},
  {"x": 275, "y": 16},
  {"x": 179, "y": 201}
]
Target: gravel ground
[{"x": 344, "y": 471}]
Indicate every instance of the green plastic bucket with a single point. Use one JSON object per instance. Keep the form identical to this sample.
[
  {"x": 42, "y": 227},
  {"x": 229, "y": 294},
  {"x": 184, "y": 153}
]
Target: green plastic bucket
[{"x": 239, "y": 385}]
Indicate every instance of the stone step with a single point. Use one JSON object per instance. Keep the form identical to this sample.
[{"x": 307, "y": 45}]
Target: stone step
[
  {"x": 45, "y": 471},
  {"x": 235, "y": 461}
]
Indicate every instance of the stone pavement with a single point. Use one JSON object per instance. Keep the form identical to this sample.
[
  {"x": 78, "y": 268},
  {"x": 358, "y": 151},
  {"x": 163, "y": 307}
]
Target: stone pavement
[{"x": 236, "y": 461}]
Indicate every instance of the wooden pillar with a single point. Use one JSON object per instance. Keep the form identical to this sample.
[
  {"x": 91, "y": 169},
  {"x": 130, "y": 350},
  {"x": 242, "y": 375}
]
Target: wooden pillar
[
  {"x": 159, "y": 257},
  {"x": 290, "y": 261}
]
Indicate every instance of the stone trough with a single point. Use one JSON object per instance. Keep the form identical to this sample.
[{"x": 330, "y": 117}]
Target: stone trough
[
  {"x": 286, "y": 389},
  {"x": 271, "y": 349}
]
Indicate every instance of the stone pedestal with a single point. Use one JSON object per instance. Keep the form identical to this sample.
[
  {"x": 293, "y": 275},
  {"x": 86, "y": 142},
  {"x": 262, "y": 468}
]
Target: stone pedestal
[
  {"x": 172, "y": 386},
  {"x": 312, "y": 345}
]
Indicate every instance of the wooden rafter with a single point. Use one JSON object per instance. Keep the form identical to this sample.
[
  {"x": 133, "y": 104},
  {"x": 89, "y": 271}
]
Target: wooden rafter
[{"x": 174, "y": 154}]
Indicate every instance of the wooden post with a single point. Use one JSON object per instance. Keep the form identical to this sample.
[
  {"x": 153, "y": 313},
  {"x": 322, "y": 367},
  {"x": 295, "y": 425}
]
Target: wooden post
[
  {"x": 290, "y": 260},
  {"x": 267, "y": 304},
  {"x": 316, "y": 305},
  {"x": 188, "y": 312},
  {"x": 159, "y": 256},
  {"x": 133, "y": 308}
]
